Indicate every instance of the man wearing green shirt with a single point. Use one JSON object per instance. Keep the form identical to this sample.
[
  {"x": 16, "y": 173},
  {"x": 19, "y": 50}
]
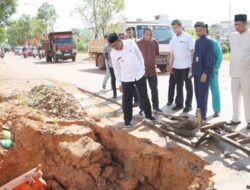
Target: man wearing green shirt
[{"x": 214, "y": 82}]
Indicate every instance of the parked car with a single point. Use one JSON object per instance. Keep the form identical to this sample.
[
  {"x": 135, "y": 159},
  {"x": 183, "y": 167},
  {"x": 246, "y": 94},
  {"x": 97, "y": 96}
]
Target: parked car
[{"x": 7, "y": 49}]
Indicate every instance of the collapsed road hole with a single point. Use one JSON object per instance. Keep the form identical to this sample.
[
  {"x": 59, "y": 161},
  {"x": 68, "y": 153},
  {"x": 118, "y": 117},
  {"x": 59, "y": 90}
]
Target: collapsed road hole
[{"x": 78, "y": 154}]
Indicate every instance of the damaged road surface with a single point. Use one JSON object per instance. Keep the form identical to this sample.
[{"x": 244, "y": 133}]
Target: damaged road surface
[{"x": 76, "y": 153}]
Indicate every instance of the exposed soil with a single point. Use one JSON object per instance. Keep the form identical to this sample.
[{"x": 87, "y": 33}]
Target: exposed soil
[{"x": 78, "y": 154}]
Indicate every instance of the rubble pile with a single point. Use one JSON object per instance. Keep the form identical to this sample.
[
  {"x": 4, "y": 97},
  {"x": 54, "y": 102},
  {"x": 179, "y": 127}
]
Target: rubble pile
[{"x": 53, "y": 101}]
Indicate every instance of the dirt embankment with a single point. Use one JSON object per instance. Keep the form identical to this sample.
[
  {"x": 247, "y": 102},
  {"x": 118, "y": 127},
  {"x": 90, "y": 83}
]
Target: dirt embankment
[{"x": 77, "y": 154}]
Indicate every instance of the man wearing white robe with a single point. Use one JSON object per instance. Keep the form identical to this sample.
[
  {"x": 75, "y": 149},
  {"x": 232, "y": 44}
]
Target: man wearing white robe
[{"x": 240, "y": 68}]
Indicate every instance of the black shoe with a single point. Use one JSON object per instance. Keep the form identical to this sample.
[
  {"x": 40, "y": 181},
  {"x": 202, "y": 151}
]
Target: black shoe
[
  {"x": 127, "y": 124},
  {"x": 234, "y": 122},
  {"x": 141, "y": 112},
  {"x": 248, "y": 126},
  {"x": 176, "y": 108},
  {"x": 216, "y": 114},
  {"x": 150, "y": 119},
  {"x": 204, "y": 118},
  {"x": 187, "y": 109},
  {"x": 114, "y": 96},
  {"x": 135, "y": 104},
  {"x": 158, "y": 110},
  {"x": 169, "y": 103}
]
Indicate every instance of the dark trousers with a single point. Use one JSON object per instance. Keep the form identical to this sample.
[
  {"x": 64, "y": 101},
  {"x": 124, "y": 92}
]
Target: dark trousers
[
  {"x": 181, "y": 76},
  {"x": 113, "y": 80},
  {"x": 171, "y": 87},
  {"x": 153, "y": 83},
  {"x": 128, "y": 95},
  {"x": 135, "y": 94},
  {"x": 201, "y": 93}
]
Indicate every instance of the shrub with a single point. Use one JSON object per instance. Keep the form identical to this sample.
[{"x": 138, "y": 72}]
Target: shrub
[{"x": 82, "y": 46}]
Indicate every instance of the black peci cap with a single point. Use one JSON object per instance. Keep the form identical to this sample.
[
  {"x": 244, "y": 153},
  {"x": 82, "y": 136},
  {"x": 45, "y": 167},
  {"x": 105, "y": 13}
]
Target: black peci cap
[
  {"x": 113, "y": 37},
  {"x": 200, "y": 24},
  {"x": 240, "y": 17}
]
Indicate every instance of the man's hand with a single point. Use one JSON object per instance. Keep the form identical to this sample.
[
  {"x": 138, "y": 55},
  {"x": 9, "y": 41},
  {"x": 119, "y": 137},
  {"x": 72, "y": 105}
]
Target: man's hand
[
  {"x": 170, "y": 68},
  {"x": 190, "y": 73},
  {"x": 203, "y": 78},
  {"x": 120, "y": 88}
]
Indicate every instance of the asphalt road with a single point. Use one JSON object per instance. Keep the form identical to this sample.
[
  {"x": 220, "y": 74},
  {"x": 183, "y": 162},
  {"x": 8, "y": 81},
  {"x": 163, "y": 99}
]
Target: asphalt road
[{"x": 84, "y": 74}]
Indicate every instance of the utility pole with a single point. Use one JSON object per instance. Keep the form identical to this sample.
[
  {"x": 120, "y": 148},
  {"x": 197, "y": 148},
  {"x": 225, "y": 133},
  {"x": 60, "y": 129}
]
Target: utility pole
[{"x": 96, "y": 28}]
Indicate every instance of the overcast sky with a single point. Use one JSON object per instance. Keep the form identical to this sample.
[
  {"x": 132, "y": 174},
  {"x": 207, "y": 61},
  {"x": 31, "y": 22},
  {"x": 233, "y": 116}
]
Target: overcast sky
[{"x": 210, "y": 11}]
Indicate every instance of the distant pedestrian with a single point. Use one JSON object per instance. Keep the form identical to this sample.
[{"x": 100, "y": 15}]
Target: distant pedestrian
[
  {"x": 130, "y": 34},
  {"x": 150, "y": 50},
  {"x": 202, "y": 67},
  {"x": 240, "y": 68},
  {"x": 182, "y": 48},
  {"x": 107, "y": 72},
  {"x": 214, "y": 82},
  {"x": 107, "y": 51},
  {"x": 128, "y": 64}
]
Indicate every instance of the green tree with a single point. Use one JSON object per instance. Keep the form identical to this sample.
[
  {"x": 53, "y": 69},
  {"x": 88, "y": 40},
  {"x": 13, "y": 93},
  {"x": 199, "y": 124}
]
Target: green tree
[
  {"x": 19, "y": 31},
  {"x": 24, "y": 28},
  {"x": 7, "y": 8},
  {"x": 37, "y": 28},
  {"x": 98, "y": 13},
  {"x": 81, "y": 38},
  {"x": 2, "y": 34},
  {"x": 47, "y": 14},
  {"x": 13, "y": 33}
]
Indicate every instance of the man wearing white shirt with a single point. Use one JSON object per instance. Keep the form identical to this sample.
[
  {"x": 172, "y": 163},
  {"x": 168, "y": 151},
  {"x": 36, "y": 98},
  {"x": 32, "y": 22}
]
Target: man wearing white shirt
[
  {"x": 182, "y": 48},
  {"x": 128, "y": 64},
  {"x": 240, "y": 68},
  {"x": 130, "y": 35}
]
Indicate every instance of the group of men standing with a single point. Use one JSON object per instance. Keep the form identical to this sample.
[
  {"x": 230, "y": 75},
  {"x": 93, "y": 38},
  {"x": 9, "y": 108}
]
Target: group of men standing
[
  {"x": 200, "y": 60},
  {"x": 134, "y": 63}
]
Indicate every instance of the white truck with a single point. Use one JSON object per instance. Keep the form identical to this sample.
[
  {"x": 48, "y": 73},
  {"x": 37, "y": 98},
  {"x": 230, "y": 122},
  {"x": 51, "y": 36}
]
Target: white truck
[{"x": 162, "y": 33}]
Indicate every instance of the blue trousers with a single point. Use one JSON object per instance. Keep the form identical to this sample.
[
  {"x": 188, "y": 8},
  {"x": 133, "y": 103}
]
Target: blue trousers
[
  {"x": 201, "y": 94},
  {"x": 215, "y": 91}
]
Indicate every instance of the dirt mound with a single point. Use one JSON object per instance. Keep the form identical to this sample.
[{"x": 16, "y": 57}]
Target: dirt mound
[
  {"x": 81, "y": 155},
  {"x": 78, "y": 154},
  {"x": 52, "y": 101}
]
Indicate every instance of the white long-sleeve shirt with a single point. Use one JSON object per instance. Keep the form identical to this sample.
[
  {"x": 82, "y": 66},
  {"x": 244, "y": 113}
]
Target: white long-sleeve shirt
[
  {"x": 128, "y": 63},
  {"x": 240, "y": 54}
]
